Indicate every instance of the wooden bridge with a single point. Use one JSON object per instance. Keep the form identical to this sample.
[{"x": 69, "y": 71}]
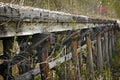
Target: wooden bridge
[{"x": 31, "y": 36}]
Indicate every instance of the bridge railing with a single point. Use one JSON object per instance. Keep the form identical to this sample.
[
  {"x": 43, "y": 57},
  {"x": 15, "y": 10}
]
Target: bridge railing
[{"x": 24, "y": 20}]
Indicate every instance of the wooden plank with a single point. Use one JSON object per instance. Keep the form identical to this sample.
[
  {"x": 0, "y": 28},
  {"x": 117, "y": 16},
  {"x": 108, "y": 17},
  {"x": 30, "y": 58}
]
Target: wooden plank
[
  {"x": 43, "y": 57},
  {"x": 94, "y": 50},
  {"x": 7, "y": 53},
  {"x": 113, "y": 40},
  {"x": 89, "y": 55},
  {"x": 80, "y": 58},
  {"x": 110, "y": 46},
  {"x": 75, "y": 57},
  {"x": 31, "y": 20},
  {"x": 24, "y": 28},
  {"x": 106, "y": 50},
  {"x": 103, "y": 48},
  {"x": 14, "y": 12},
  {"x": 99, "y": 51},
  {"x": 24, "y": 20}
]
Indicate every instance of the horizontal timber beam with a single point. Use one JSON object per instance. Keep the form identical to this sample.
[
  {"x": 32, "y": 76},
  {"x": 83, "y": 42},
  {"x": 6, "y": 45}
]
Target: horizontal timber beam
[
  {"x": 24, "y": 20},
  {"x": 25, "y": 13},
  {"x": 11, "y": 29}
]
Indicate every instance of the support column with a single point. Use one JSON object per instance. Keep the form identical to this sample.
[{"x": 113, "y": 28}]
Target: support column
[
  {"x": 75, "y": 57},
  {"x": 113, "y": 41},
  {"x": 106, "y": 50},
  {"x": 103, "y": 47},
  {"x": 109, "y": 46},
  {"x": 99, "y": 50},
  {"x": 89, "y": 55},
  {"x": 7, "y": 47},
  {"x": 95, "y": 54},
  {"x": 42, "y": 56},
  {"x": 80, "y": 58}
]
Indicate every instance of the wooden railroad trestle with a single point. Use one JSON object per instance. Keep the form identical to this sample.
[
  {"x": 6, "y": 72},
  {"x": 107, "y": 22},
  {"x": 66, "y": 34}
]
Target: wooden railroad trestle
[
  {"x": 36, "y": 43},
  {"x": 105, "y": 47}
]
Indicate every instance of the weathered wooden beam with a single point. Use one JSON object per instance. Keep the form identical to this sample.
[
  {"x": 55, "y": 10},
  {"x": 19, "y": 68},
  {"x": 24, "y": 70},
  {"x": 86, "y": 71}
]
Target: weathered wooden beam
[
  {"x": 113, "y": 40},
  {"x": 80, "y": 58},
  {"x": 21, "y": 20},
  {"x": 106, "y": 50},
  {"x": 8, "y": 47},
  {"x": 75, "y": 56},
  {"x": 7, "y": 53},
  {"x": 99, "y": 51},
  {"x": 37, "y": 39},
  {"x": 89, "y": 55},
  {"x": 30, "y": 28},
  {"x": 103, "y": 48},
  {"x": 14, "y": 12},
  {"x": 71, "y": 36},
  {"x": 94, "y": 50},
  {"x": 109, "y": 46},
  {"x": 43, "y": 57}
]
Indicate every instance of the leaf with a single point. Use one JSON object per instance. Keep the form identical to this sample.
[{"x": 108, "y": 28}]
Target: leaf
[
  {"x": 74, "y": 26},
  {"x": 15, "y": 70}
]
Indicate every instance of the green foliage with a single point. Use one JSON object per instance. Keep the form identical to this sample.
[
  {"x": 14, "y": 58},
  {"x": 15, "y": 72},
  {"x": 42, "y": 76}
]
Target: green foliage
[
  {"x": 53, "y": 75},
  {"x": 117, "y": 45},
  {"x": 63, "y": 69},
  {"x": 116, "y": 6},
  {"x": 37, "y": 77},
  {"x": 15, "y": 70},
  {"x": 30, "y": 37},
  {"x": 116, "y": 55},
  {"x": 74, "y": 26},
  {"x": 34, "y": 51},
  {"x": 107, "y": 74},
  {"x": 59, "y": 38}
]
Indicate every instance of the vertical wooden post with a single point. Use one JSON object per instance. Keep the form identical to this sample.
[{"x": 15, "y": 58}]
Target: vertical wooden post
[
  {"x": 89, "y": 55},
  {"x": 99, "y": 49},
  {"x": 113, "y": 41},
  {"x": 80, "y": 58},
  {"x": 106, "y": 49},
  {"x": 75, "y": 57},
  {"x": 42, "y": 56},
  {"x": 103, "y": 50},
  {"x": 109, "y": 46},
  {"x": 103, "y": 46},
  {"x": 95, "y": 54},
  {"x": 7, "y": 47}
]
